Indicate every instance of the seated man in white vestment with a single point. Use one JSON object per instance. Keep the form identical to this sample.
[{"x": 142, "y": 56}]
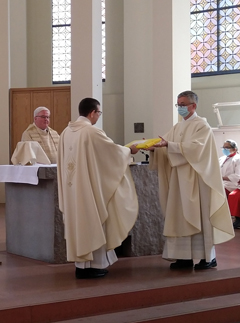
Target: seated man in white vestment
[
  {"x": 40, "y": 131},
  {"x": 192, "y": 195},
  {"x": 96, "y": 192}
]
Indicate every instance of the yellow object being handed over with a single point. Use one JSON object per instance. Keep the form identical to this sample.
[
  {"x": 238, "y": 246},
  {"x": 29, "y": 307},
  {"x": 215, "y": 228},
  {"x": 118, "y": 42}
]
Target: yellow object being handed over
[{"x": 144, "y": 143}]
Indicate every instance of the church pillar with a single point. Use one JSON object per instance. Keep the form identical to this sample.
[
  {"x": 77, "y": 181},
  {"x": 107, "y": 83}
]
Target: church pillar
[
  {"x": 18, "y": 43},
  {"x": 4, "y": 87},
  {"x": 156, "y": 63},
  {"x": 86, "y": 79}
]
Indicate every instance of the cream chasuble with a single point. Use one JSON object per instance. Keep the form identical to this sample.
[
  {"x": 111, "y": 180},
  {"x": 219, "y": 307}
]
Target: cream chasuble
[
  {"x": 186, "y": 169},
  {"x": 48, "y": 140},
  {"x": 96, "y": 191}
]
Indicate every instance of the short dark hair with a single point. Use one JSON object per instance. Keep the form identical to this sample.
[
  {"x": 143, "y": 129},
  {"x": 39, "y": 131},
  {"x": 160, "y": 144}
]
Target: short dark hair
[
  {"x": 87, "y": 105},
  {"x": 193, "y": 98}
]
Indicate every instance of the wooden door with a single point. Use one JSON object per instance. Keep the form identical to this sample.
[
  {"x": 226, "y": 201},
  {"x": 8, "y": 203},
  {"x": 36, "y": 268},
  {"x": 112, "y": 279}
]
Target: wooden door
[
  {"x": 61, "y": 109},
  {"x": 41, "y": 98},
  {"x": 24, "y": 101},
  {"x": 20, "y": 116}
]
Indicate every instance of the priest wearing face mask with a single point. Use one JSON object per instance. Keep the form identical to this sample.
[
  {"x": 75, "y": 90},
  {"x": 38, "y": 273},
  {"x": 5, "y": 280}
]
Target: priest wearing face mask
[
  {"x": 230, "y": 170},
  {"x": 192, "y": 195}
]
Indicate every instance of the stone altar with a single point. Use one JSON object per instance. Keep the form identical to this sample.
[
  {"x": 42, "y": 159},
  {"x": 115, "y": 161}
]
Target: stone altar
[
  {"x": 146, "y": 235},
  {"x": 34, "y": 226}
]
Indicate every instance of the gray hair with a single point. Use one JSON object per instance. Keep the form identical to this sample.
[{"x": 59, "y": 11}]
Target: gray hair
[
  {"x": 39, "y": 109},
  {"x": 193, "y": 98},
  {"x": 232, "y": 143}
]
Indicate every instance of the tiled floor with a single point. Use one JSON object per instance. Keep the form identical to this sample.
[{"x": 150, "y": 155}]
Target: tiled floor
[{"x": 24, "y": 281}]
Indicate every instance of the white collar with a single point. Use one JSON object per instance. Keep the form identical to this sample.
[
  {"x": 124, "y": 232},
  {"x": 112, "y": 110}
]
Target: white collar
[
  {"x": 82, "y": 118},
  {"x": 194, "y": 115}
]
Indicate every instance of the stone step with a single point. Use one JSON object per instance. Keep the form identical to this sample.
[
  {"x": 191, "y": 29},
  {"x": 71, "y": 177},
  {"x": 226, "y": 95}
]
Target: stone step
[
  {"x": 221, "y": 309},
  {"x": 171, "y": 299}
]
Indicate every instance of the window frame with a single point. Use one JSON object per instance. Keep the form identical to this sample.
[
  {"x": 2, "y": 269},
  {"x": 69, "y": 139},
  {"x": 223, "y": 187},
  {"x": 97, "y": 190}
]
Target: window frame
[{"x": 218, "y": 72}]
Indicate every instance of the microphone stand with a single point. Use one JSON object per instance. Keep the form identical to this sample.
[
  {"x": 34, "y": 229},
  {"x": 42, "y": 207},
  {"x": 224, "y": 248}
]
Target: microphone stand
[{"x": 146, "y": 158}]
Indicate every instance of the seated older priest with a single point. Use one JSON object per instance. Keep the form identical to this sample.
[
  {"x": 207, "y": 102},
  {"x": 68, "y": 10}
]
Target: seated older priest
[
  {"x": 96, "y": 192},
  {"x": 40, "y": 131}
]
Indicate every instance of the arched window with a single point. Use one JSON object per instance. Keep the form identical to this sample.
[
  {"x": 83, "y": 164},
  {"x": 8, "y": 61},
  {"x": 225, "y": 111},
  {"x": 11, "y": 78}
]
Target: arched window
[
  {"x": 215, "y": 37},
  {"x": 61, "y": 41}
]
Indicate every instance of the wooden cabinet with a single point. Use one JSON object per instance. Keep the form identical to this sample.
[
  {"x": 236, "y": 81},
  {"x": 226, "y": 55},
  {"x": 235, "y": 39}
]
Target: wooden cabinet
[{"x": 24, "y": 101}]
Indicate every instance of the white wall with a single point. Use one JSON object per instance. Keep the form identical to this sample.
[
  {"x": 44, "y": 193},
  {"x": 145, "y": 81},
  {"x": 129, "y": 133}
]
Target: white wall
[
  {"x": 215, "y": 89},
  {"x": 138, "y": 72},
  {"x": 39, "y": 43},
  {"x": 18, "y": 43},
  {"x": 156, "y": 64},
  {"x": 113, "y": 98}
]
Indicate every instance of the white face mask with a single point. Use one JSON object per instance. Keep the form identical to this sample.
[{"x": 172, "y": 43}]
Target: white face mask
[{"x": 183, "y": 111}]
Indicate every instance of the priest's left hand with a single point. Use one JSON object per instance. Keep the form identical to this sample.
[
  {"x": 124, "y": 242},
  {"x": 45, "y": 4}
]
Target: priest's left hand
[{"x": 162, "y": 143}]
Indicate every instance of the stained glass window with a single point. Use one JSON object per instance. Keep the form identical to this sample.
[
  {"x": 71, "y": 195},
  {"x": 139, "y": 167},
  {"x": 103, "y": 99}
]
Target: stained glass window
[
  {"x": 215, "y": 37},
  {"x": 61, "y": 41}
]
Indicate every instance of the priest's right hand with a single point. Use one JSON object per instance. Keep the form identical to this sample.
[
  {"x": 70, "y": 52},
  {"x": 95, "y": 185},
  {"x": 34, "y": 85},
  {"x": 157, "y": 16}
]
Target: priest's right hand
[{"x": 134, "y": 149}]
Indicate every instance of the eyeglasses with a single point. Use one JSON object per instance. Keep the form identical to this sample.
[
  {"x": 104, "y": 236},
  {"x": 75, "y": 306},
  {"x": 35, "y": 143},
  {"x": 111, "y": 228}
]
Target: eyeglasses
[
  {"x": 182, "y": 105},
  {"x": 99, "y": 112},
  {"x": 43, "y": 117}
]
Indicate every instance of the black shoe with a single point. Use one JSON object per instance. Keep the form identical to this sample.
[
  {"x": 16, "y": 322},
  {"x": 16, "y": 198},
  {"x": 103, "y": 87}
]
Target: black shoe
[
  {"x": 236, "y": 223},
  {"x": 90, "y": 273},
  {"x": 182, "y": 263},
  {"x": 205, "y": 265}
]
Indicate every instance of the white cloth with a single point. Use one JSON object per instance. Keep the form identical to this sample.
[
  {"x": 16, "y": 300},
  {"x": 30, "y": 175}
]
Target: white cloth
[
  {"x": 29, "y": 152},
  {"x": 198, "y": 246},
  {"x": 20, "y": 174},
  {"x": 102, "y": 258},
  {"x": 230, "y": 167}
]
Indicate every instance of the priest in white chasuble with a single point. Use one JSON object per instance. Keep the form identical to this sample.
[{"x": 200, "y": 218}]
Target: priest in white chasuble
[
  {"x": 96, "y": 192},
  {"x": 40, "y": 132},
  {"x": 191, "y": 191}
]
